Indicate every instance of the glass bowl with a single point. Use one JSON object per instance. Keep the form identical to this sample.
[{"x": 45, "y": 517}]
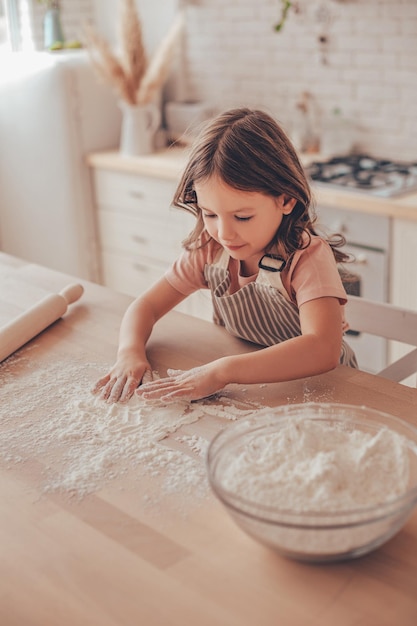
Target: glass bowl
[{"x": 317, "y": 482}]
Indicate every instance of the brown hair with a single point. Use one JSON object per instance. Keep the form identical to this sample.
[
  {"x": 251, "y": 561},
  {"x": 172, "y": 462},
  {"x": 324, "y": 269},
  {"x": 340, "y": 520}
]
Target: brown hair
[{"x": 249, "y": 151}]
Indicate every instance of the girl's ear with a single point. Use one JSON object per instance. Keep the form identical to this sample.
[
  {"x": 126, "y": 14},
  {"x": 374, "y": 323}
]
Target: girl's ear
[{"x": 287, "y": 203}]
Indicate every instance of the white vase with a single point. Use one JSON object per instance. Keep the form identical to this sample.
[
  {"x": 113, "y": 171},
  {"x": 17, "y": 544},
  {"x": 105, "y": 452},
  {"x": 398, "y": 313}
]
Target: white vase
[{"x": 139, "y": 125}]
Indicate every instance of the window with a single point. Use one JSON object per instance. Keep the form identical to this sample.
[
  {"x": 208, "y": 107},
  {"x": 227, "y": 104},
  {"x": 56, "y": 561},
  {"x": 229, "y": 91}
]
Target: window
[
  {"x": 4, "y": 32},
  {"x": 10, "y": 24},
  {"x": 21, "y": 22}
]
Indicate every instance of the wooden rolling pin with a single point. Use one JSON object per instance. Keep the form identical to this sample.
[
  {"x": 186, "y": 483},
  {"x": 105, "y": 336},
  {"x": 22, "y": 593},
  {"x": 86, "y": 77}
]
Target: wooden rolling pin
[{"x": 26, "y": 326}]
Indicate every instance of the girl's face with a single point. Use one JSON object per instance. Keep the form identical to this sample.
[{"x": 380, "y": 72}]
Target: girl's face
[{"x": 243, "y": 222}]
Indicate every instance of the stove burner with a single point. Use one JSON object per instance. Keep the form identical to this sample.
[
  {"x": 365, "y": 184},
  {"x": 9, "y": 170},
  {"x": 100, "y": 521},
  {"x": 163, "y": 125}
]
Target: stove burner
[{"x": 380, "y": 177}]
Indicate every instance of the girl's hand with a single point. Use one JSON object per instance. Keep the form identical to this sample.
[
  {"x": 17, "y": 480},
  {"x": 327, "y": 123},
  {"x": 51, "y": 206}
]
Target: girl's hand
[
  {"x": 193, "y": 384},
  {"x": 120, "y": 383}
]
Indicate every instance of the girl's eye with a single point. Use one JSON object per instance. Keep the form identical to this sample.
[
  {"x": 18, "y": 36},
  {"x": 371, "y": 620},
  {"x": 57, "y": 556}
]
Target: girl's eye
[{"x": 237, "y": 217}]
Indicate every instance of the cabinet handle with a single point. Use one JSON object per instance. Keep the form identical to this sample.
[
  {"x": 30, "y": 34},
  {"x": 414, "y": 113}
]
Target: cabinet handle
[
  {"x": 134, "y": 193},
  {"x": 139, "y": 239},
  {"x": 361, "y": 259}
]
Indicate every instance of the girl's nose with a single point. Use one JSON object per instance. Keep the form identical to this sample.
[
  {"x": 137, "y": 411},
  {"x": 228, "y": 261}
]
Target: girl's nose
[{"x": 225, "y": 230}]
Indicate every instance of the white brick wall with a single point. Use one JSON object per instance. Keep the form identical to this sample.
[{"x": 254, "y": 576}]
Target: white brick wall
[{"x": 234, "y": 57}]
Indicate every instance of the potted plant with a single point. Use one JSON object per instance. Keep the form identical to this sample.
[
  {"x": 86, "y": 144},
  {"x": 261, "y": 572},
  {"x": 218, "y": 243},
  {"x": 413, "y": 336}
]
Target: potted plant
[{"x": 135, "y": 81}]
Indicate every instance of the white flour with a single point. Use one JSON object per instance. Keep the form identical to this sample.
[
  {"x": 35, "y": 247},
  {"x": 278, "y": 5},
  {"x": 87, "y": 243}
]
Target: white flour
[
  {"x": 48, "y": 413},
  {"x": 309, "y": 465}
]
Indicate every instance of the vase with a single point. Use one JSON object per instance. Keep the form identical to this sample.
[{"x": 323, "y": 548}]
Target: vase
[
  {"x": 139, "y": 125},
  {"x": 52, "y": 28}
]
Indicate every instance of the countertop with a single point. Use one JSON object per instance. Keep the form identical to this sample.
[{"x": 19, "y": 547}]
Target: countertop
[
  {"x": 169, "y": 163},
  {"x": 142, "y": 543}
]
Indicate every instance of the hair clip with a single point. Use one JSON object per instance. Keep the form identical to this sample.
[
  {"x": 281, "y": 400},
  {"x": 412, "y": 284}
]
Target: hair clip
[
  {"x": 190, "y": 196},
  {"x": 275, "y": 264}
]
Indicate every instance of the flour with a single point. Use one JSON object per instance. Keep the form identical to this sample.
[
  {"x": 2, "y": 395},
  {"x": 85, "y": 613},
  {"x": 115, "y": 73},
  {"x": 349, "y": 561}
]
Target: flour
[
  {"x": 310, "y": 465},
  {"x": 48, "y": 413}
]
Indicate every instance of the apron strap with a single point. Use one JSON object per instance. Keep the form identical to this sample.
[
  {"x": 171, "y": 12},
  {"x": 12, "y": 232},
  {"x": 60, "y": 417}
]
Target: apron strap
[{"x": 270, "y": 279}]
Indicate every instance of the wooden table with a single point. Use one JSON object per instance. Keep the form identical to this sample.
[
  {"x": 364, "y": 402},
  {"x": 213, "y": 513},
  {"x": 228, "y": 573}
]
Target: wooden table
[{"x": 113, "y": 558}]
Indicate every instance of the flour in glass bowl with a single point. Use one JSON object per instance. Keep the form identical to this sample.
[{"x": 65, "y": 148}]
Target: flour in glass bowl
[
  {"x": 308, "y": 465},
  {"x": 315, "y": 489}
]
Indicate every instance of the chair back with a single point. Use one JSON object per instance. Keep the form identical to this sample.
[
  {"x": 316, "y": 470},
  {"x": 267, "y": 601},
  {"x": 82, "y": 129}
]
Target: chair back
[{"x": 388, "y": 321}]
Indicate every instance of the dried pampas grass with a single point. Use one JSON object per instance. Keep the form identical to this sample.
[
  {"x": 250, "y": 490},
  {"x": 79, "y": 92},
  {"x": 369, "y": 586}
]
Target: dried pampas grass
[
  {"x": 134, "y": 79},
  {"x": 107, "y": 66},
  {"x": 134, "y": 58}
]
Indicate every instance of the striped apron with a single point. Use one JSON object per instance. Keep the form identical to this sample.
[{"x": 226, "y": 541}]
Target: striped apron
[{"x": 260, "y": 312}]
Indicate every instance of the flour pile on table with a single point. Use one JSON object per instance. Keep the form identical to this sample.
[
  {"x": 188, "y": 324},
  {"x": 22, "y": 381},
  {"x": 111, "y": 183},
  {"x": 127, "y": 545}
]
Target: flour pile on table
[{"x": 48, "y": 413}]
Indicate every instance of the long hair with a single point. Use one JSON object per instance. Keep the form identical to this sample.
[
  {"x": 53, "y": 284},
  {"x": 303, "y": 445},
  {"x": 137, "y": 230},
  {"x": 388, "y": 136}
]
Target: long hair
[{"x": 249, "y": 151}]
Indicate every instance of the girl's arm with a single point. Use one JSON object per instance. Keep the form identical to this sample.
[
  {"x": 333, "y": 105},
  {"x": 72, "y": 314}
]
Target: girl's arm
[
  {"x": 137, "y": 324},
  {"x": 315, "y": 351}
]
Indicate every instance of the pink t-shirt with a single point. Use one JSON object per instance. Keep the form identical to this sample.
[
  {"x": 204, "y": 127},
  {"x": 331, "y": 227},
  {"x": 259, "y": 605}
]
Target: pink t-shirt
[{"x": 311, "y": 274}]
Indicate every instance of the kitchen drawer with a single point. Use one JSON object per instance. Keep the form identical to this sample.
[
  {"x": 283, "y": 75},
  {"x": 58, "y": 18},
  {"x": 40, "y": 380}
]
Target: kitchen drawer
[
  {"x": 128, "y": 274},
  {"x": 126, "y": 234},
  {"x": 133, "y": 193},
  {"x": 132, "y": 277},
  {"x": 363, "y": 229}
]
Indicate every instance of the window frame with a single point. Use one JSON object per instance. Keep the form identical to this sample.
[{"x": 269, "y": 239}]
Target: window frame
[{"x": 11, "y": 9}]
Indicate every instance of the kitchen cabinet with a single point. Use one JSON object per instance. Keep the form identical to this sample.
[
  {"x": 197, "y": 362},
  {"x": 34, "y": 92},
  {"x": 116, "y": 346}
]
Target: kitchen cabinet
[
  {"x": 403, "y": 290},
  {"x": 52, "y": 111},
  {"x": 139, "y": 233}
]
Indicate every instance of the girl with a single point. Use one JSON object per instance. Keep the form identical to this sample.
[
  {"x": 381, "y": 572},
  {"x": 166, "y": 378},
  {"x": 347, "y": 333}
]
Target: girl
[{"x": 273, "y": 280}]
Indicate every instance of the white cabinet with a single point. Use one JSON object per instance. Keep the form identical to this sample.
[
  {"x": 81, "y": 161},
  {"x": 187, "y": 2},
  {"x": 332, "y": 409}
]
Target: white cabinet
[
  {"x": 140, "y": 234},
  {"x": 404, "y": 273},
  {"x": 52, "y": 111}
]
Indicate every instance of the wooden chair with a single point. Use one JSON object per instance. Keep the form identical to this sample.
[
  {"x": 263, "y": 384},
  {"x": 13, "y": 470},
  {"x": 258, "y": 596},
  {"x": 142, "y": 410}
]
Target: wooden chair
[{"x": 389, "y": 321}]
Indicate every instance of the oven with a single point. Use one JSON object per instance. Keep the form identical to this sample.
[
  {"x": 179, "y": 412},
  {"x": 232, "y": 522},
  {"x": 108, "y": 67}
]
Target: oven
[
  {"x": 367, "y": 242},
  {"x": 367, "y": 236}
]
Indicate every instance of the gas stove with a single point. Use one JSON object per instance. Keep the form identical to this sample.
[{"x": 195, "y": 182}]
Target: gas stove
[{"x": 366, "y": 174}]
